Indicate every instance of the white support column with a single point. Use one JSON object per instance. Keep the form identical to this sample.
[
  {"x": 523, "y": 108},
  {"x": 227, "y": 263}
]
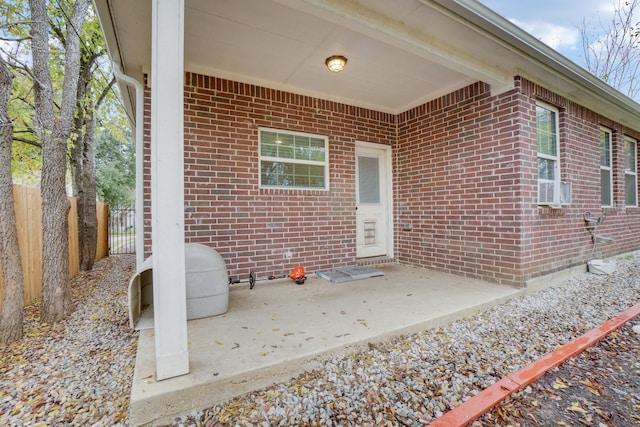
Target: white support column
[{"x": 167, "y": 188}]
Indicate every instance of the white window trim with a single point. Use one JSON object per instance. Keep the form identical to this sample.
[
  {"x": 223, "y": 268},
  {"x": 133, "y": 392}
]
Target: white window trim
[
  {"x": 556, "y": 159},
  {"x": 632, "y": 173},
  {"x": 325, "y": 164},
  {"x": 608, "y": 168}
]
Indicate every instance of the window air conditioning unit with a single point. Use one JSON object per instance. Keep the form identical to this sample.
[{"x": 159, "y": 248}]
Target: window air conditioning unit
[
  {"x": 565, "y": 193},
  {"x": 547, "y": 194}
]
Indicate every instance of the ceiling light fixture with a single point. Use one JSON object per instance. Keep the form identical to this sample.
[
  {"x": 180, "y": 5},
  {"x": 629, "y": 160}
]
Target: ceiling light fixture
[{"x": 336, "y": 63}]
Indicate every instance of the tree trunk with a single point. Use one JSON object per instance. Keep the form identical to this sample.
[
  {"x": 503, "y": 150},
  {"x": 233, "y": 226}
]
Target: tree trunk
[
  {"x": 77, "y": 164},
  {"x": 89, "y": 215},
  {"x": 54, "y": 134},
  {"x": 11, "y": 264},
  {"x": 82, "y": 161}
]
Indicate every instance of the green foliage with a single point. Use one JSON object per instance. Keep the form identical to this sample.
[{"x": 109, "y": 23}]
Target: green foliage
[
  {"x": 115, "y": 168},
  {"x": 115, "y": 161},
  {"x": 15, "y": 28}
]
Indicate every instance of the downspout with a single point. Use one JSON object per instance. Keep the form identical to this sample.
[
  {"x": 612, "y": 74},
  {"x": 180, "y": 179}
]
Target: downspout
[{"x": 139, "y": 122}]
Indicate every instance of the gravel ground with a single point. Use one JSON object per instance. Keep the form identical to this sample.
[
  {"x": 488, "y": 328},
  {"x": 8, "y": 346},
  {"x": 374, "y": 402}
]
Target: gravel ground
[{"x": 78, "y": 372}]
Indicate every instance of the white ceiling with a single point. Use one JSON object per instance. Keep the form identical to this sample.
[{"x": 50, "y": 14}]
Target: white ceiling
[
  {"x": 401, "y": 53},
  {"x": 396, "y": 58}
]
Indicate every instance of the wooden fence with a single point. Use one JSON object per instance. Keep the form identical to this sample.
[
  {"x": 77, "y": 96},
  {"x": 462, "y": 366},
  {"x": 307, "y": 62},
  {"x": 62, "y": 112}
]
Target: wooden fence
[{"x": 29, "y": 223}]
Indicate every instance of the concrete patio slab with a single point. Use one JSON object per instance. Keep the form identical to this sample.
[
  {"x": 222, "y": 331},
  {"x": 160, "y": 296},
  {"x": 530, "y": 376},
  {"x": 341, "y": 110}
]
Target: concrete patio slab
[{"x": 279, "y": 329}]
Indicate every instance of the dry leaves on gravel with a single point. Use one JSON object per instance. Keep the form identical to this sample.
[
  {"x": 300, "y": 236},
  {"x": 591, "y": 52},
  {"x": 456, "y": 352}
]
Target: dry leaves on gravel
[
  {"x": 77, "y": 371},
  {"x": 600, "y": 387}
]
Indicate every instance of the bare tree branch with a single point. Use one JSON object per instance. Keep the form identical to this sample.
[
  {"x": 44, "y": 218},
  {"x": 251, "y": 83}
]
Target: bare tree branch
[
  {"x": 614, "y": 55},
  {"x": 27, "y": 141},
  {"x": 105, "y": 91},
  {"x": 14, "y": 39}
]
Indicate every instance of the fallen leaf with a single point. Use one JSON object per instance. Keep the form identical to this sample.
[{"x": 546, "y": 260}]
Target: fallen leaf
[
  {"x": 558, "y": 384},
  {"x": 575, "y": 407},
  {"x": 594, "y": 389}
]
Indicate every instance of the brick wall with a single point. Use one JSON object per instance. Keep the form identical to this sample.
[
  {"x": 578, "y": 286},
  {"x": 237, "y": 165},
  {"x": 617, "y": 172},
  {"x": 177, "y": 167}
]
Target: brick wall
[
  {"x": 465, "y": 179},
  {"x": 467, "y": 184},
  {"x": 460, "y": 184},
  {"x": 253, "y": 228},
  {"x": 557, "y": 239}
]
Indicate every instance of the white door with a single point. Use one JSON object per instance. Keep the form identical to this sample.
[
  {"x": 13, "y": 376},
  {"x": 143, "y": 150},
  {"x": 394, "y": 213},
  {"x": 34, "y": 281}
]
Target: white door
[{"x": 372, "y": 200}]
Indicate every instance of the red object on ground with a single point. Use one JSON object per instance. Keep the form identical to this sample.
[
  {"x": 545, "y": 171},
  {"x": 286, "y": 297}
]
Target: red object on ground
[
  {"x": 298, "y": 275},
  {"x": 481, "y": 403}
]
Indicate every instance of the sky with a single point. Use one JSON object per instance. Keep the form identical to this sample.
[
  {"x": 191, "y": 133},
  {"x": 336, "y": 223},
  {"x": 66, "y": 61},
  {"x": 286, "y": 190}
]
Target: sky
[{"x": 555, "y": 22}]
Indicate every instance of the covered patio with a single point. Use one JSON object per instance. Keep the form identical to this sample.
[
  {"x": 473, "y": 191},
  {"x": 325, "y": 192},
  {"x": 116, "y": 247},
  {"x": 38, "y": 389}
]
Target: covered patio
[
  {"x": 279, "y": 329},
  {"x": 399, "y": 56}
]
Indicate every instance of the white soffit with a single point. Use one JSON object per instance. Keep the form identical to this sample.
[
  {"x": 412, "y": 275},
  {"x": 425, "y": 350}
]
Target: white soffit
[{"x": 392, "y": 66}]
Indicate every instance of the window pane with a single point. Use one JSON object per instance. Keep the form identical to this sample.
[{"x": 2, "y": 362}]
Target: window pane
[
  {"x": 268, "y": 137},
  {"x": 301, "y": 181},
  {"x": 316, "y": 171},
  {"x": 546, "y": 169},
  {"x": 275, "y": 173},
  {"x": 630, "y": 191},
  {"x": 605, "y": 148},
  {"x": 605, "y": 187},
  {"x": 285, "y": 146},
  {"x": 269, "y": 150},
  {"x": 546, "y": 130},
  {"x": 301, "y": 147},
  {"x": 316, "y": 176},
  {"x": 368, "y": 179},
  {"x": 268, "y": 146},
  {"x": 605, "y": 168},
  {"x": 301, "y": 175},
  {"x": 317, "y": 149},
  {"x": 630, "y": 155},
  {"x": 546, "y": 143},
  {"x": 301, "y": 170}
]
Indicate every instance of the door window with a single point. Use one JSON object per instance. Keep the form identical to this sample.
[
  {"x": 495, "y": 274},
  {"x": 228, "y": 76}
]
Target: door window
[{"x": 368, "y": 180}]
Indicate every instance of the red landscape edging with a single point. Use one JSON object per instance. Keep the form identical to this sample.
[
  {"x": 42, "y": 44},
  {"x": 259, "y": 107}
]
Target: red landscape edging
[{"x": 481, "y": 403}]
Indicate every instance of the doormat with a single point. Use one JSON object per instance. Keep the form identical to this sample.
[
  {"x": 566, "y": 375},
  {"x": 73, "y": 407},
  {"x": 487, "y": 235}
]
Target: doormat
[{"x": 348, "y": 274}]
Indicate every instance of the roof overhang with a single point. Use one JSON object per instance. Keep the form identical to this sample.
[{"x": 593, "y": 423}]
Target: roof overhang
[{"x": 400, "y": 54}]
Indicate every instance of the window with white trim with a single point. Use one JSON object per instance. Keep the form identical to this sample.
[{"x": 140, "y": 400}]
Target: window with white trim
[
  {"x": 293, "y": 160},
  {"x": 630, "y": 172},
  {"x": 606, "y": 175},
  {"x": 548, "y": 155}
]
